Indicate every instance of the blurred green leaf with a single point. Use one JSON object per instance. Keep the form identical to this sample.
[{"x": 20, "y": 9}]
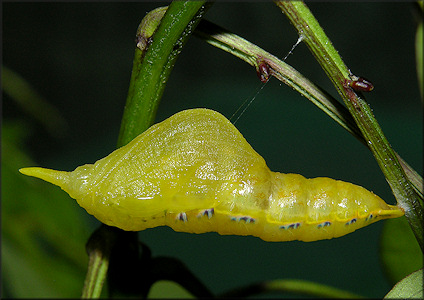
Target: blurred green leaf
[
  {"x": 42, "y": 231},
  {"x": 32, "y": 102},
  {"x": 409, "y": 288},
  {"x": 400, "y": 252},
  {"x": 22, "y": 279},
  {"x": 165, "y": 289},
  {"x": 294, "y": 286}
]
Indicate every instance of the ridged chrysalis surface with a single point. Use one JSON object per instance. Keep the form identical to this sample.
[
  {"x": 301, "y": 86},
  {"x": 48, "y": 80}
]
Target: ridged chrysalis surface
[{"x": 196, "y": 173}]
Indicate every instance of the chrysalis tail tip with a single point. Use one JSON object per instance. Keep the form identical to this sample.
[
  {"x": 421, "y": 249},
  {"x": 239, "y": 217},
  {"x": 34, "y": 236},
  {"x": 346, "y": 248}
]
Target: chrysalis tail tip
[
  {"x": 58, "y": 178},
  {"x": 393, "y": 212}
]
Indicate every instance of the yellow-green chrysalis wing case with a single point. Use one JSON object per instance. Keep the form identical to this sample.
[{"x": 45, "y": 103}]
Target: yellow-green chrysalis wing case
[{"x": 196, "y": 173}]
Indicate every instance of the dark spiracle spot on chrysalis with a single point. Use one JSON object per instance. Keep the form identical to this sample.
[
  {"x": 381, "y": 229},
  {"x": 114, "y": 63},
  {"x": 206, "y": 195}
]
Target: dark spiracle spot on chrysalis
[
  {"x": 351, "y": 222},
  {"x": 325, "y": 224}
]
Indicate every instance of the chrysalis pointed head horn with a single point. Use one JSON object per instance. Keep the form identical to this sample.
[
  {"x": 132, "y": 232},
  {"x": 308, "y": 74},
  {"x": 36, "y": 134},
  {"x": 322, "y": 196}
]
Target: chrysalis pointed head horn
[
  {"x": 59, "y": 178},
  {"x": 75, "y": 183}
]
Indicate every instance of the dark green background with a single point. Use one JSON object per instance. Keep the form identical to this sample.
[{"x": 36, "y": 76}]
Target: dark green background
[{"x": 79, "y": 57}]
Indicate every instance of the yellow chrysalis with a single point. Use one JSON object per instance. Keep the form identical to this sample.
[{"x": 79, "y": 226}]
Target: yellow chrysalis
[{"x": 196, "y": 173}]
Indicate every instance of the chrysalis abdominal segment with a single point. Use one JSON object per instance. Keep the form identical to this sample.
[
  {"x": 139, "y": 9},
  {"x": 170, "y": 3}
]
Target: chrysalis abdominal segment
[{"x": 196, "y": 173}]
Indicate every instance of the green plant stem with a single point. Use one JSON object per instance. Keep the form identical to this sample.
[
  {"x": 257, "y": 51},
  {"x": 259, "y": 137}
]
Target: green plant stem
[
  {"x": 93, "y": 286},
  {"x": 322, "y": 48},
  {"x": 152, "y": 65},
  {"x": 308, "y": 27},
  {"x": 252, "y": 54},
  {"x": 301, "y": 287},
  {"x": 98, "y": 250}
]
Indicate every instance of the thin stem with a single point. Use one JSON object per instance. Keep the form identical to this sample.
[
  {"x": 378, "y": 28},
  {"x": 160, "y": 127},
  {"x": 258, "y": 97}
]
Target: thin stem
[
  {"x": 98, "y": 250},
  {"x": 153, "y": 64},
  {"x": 252, "y": 54},
  {"x": 329, "y": 59}
]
